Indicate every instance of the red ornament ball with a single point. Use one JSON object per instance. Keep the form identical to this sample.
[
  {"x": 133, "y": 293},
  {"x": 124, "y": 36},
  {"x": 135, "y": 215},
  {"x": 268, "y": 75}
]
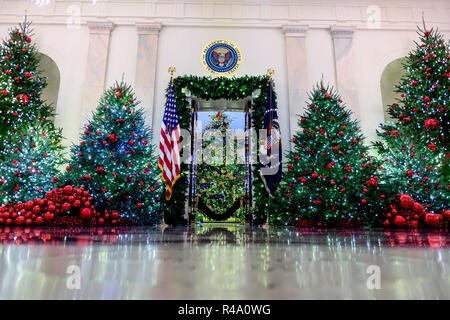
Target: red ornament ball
[
  {"x": 409, "y": 173},
  {"x": 86, "y": 213},
  {"x": 399, "y": 221},
  {"x": 22, "y": 99},
  {"x": 432, "y": 219},
  {"x": 66, "y": 206},
  {"x": 29, "y": 205},
  {"x": 68, "y": 190},
  {"x": 431, "y": 124},
  {"x": 417, "y": 207},
  {"x": 406, "y": 201},
  {"x": 372, "y": 183},
  {"x": 447, "y": 214},
  {"x": 77, "y": 204},
  {"x": 19, "y": 220}
]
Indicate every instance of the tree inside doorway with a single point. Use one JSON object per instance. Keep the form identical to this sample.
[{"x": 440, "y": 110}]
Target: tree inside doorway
[{"x": 220, "y": 179}]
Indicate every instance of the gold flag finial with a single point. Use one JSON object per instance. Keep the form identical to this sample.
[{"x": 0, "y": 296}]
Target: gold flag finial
[
  {"x": 270, "y": 72},
  {"x": 172, "y": 70}
]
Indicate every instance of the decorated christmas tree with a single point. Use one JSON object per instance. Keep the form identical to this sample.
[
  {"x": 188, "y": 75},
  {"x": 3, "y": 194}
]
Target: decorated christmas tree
[
  {"x": 423, "y": 110},
  {"x": 220, "y": 176},
  {"x": 21, "y": 85},
  {"x": 30, "y": 149},
  {"x": 29, "y": 164},
  {"x": 331, "y": 178},
  {"x": 115, "y": 160},
  {"x": 415, "y": 148},
  {"x": 413, "y": 168}
]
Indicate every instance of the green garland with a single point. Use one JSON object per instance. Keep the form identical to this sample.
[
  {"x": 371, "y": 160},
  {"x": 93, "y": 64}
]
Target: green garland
[{"x": 208, "y": 88}]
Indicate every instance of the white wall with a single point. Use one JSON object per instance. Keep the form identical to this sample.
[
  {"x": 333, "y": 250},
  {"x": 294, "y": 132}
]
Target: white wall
[
  {"x": 320, "y": 55},
  {"x": 122, "y": 55}
]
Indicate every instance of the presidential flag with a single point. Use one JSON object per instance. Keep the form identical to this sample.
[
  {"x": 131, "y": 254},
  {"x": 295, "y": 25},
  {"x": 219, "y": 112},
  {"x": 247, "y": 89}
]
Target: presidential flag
[
  {"x": 270, "y": 154},
  {"x": 169, "y": 144}
]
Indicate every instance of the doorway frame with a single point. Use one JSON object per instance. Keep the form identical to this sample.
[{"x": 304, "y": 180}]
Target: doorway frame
[
  {"x": 176, "y": 210},
  {"x": 247, "y": 201}
]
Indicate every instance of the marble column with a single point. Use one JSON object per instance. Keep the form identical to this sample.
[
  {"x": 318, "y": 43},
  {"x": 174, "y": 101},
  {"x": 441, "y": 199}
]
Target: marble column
[
  {"x": 296, "y": 71},
  {"x": 344, "y": 58},
  {"x": 99, "y": 35},
  {"x": 147, "y": 53}
]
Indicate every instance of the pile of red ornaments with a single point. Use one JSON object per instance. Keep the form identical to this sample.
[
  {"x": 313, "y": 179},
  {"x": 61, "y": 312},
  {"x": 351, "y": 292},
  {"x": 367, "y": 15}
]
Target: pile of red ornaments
[
  {"x": 66, "y": 206},
  {"x": 404, "y": 212}
]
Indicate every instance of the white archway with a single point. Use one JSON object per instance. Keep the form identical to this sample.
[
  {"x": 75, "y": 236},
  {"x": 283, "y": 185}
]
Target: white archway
[
  {"x": 49, "y": 69},
  {"x": 390, "y": 77}
]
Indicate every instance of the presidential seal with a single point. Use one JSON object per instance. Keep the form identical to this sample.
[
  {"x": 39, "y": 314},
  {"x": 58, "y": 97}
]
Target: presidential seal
[{"x": 221, "y": 57}]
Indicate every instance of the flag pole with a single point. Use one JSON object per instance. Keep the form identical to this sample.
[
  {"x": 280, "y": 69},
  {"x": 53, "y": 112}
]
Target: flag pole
[
  {"x": 266, "y": 225},
  {"x": 171, "y": 70}
]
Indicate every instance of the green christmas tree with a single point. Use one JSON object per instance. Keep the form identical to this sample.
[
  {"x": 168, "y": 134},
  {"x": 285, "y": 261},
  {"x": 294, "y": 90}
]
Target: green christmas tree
[
  {"x": 115, "y": 160},
  {"x": 331, "y": 179},
  {"x": 220, "y": 177},
  {"x": 21, "y": 85},
  {"x": 415, "y": 148},
  {"x": 29, "y": 165},
  {"x": 30, "y": 145}
]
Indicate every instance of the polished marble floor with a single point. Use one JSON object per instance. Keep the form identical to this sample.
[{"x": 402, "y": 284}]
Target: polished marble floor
[{"x": 219, "y": 261}]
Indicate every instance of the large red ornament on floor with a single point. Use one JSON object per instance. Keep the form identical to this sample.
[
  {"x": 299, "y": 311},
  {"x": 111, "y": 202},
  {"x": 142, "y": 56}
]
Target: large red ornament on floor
[{"x": 66, "y": 206}]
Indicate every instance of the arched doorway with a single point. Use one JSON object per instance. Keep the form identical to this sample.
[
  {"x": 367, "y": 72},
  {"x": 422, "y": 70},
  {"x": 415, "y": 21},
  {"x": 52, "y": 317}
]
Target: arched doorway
[
  {"x": 390, "y": 77},
  {"x": 49, "y": 70}
]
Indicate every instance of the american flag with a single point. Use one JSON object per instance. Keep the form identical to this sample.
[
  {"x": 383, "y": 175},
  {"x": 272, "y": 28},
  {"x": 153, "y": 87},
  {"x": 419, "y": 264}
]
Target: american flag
[
  {"x": 169, "y": 144},
  {"x": 272, "y": 144}
]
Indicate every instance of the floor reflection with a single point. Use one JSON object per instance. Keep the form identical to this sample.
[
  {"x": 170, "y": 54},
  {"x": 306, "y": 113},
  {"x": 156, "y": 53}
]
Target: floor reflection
[
  {"x": 223, "y": 234},
  {"x": 218, "y": 261}
]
